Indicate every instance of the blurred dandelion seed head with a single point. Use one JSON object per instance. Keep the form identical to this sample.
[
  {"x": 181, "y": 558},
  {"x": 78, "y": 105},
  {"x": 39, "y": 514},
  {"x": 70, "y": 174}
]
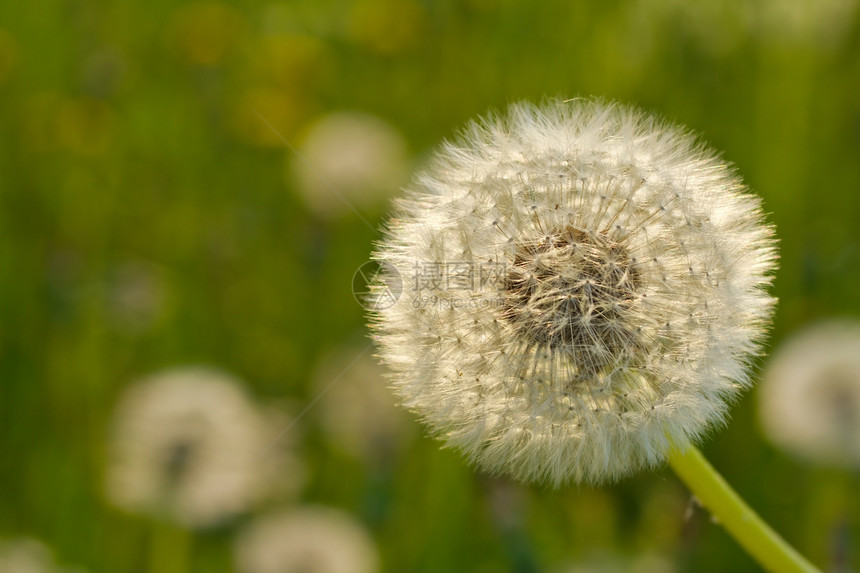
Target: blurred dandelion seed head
[
  {"x": 818, "y": 23},
  {"x": 186, "y": 445},
  {"x": 633, "y": 292},
  {"x": 359, "y": 155},
  {"x": 809, "y": 401},
  {"x": 309, "y": 539},
  {"x": 136, "y": 296},
  {"x": 358, "y": 415},
  {"x": 24, "y": 555}
]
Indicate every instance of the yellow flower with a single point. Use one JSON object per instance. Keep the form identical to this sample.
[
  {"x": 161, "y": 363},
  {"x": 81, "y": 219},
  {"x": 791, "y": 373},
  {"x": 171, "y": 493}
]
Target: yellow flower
[{"x": 203, "y": 33}]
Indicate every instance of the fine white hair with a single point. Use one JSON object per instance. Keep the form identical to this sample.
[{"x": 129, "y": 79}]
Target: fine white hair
[{"x": 583, "y": 285}]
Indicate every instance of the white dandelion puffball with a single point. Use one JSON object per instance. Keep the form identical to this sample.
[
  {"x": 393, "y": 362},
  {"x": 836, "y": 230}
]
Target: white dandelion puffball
[
  {"x": 809, "y": 400},
  {"x": 349, "y": 157},
  {"x": 583, "y": 285},
  {"x": 358, "y": 415},
  {"x": 310, "y": 539},
  {"x": 189, "y": 445},
  {"x": 24, "y": 555}
]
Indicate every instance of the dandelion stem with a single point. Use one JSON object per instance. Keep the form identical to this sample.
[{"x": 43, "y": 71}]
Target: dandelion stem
[
  {"x": 764, "y": 544},
  {"x": 170, "y": 548}
]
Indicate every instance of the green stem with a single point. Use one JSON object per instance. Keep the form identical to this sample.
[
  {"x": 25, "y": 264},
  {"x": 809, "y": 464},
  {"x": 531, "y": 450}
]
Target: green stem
[
  {"x": 170, "y": 548},
  {"x": 761, "y": 542}
]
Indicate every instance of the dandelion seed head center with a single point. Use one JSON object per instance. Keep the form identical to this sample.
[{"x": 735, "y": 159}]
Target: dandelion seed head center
[
  {"x": 178, "y": 460},
  {"x": 572, "y": 288}
]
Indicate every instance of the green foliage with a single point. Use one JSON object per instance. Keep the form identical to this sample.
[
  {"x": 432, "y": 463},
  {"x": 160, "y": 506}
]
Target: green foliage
[{"x": 131, "y": 160}]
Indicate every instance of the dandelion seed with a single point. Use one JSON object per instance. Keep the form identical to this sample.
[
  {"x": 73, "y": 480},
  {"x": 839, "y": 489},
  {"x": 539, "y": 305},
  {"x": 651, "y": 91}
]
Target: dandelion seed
[
  {"x": 632, "y": 297},
  {"x": 308, "y": 539},
  {"x": 186, "y": 445},
  {"x": 809, "y": 401}
]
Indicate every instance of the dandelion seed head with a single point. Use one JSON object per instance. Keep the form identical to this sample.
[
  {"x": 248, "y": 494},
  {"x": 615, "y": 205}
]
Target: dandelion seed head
[
  {"x": 362, "y": 157},
  {"x": 357, "y": 414},
  {"x": 309, "y": 539},
  {"x": 187, "y": 444},
  {"x": 809, "y": 400},
  {"x": 633, "y": 292},
  {"x": 25, "y": 555}
]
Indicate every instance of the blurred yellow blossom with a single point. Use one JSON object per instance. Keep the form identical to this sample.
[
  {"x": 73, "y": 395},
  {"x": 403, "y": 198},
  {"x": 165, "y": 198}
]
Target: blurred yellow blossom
[
  {"x": 38, "y": 115},
  {"x": 85, "y": 126},
  {"x": 202, "y": 33},
  {"x": 281, "y": 109},
  {"x": 8, "y": 54},
  {"x": 52, "y": 121},
  {"x": 291, "y": 61},
  {"x": 387, "y": 26}
]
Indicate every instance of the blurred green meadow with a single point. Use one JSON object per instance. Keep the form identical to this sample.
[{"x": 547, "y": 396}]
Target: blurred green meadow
[{"x": 154, "y": 214}]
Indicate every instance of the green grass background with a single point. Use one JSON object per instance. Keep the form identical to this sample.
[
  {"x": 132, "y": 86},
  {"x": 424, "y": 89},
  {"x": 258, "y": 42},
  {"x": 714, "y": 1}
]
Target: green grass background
[{"x": 126, "y": 138}]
